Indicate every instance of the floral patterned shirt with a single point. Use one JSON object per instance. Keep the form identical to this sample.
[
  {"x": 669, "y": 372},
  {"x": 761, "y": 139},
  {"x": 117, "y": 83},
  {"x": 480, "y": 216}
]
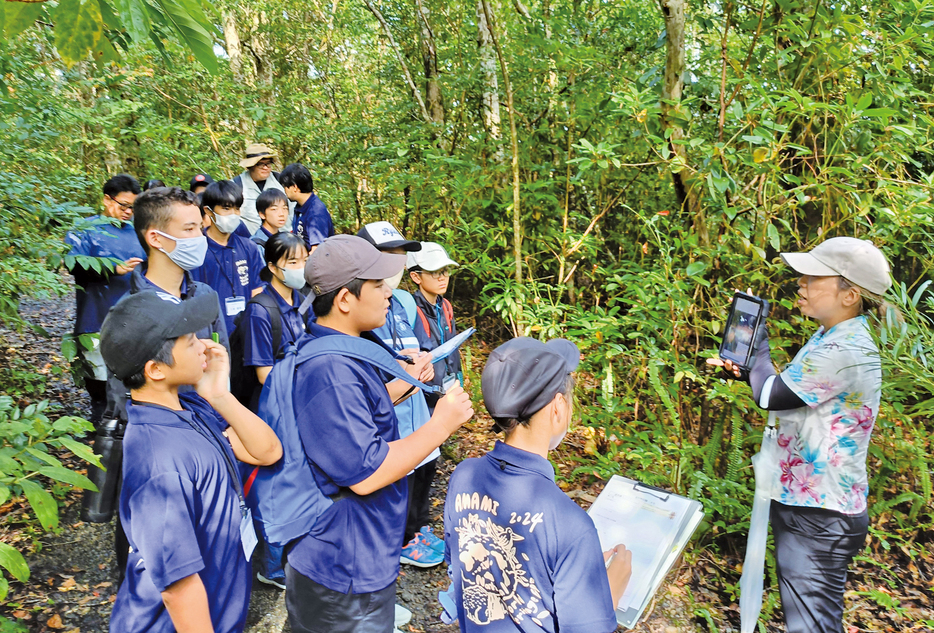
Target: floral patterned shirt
[{"x": 822, "y": 447}]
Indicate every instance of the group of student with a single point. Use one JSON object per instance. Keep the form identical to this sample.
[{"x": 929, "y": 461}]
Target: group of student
[{"x": 191, "y": 309}]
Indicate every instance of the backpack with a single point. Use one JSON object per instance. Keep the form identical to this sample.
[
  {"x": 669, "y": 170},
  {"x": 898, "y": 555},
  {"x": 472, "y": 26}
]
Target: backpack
[
  {"x": 243, "y": 381},
  {"x": 288, "y": 501},
  {"x": 448, "y": 310},
  {"x": 407, "y": 301}
]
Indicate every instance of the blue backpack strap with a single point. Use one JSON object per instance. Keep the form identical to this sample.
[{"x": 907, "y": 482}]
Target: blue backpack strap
[
  {"x": 407, "y": 301},
  {"x": 364, "y": 350}
]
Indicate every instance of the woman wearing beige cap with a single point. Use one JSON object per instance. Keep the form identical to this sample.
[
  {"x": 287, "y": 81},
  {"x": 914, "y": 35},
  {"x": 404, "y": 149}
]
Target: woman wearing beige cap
[
  {"x": 826, "y": 402},
  {"x": 257, "y": 161}
]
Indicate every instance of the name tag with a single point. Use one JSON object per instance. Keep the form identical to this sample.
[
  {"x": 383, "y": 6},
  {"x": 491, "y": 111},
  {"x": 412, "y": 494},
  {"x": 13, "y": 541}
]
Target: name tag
[
  {"x": 247, "y": 533},
  {"x": 234, "y": 305}
]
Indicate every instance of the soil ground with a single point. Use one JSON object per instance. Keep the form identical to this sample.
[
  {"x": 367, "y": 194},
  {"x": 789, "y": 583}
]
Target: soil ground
[{"x": 73, "y": 586}]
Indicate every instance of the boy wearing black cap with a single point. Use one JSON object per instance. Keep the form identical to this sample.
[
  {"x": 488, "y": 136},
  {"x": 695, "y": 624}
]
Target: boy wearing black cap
[
  {"x": 341, "y": 575},
  {"x": 523, "y": 556},
  {"x": 181, "y": 504}
]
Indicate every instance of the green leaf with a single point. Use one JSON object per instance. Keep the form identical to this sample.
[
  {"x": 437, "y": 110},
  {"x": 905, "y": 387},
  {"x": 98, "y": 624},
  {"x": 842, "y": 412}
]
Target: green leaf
[
  {"x": 68, "y": 477},
  {"x": 43, "y": 457},
  {"x": 79, "y": 28},
  {"x": 12, "y": 561},
  {"x": 183, "y": 16},
  {"x": 69, "y": 348},
  {"x": 135, "y": 18},
  {"x": 9, "y": 626},
  {"x": 16, "y": 17},
  {"x": 864, "y": 102},
  {"x": 774, "y": 238},
  {"x": 4, "y": 493},
  {"x": 4, "y": 590},
  {"x": 695, "y": 268},
  {"x": 81, "y": 450},
  {"x": 42, "y": 503}
]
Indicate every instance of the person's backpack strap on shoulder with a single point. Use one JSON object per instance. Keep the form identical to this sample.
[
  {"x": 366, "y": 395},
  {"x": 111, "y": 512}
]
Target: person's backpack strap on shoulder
[
  {"x": 287, "y": 500},
  {"x": 275, "y": 321},
  {"x": 407, "y": 301},
  {"x": 424, "y": 320},
  {"x": 238, "y": 180},
  {"x": 448, "y": 310}
]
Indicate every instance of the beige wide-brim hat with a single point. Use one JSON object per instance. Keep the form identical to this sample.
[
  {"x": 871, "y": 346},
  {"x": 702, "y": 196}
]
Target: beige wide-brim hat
[
  {"x": 858, "y": 261},
  {"x": 255, "y": 153}
]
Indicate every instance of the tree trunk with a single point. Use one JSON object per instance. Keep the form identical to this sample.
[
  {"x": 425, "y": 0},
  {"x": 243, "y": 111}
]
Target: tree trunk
[
  {"x": 232, "y": 41},
  {"x": 401, "y": 59},
  {"x": 490, "y": 98},
  {"x": 430, "y": 63},
  {"x": 681, "y": 172}
]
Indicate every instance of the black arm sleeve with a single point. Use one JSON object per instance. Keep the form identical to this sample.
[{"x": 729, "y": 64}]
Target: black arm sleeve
[
  {"x": 86, "y": 276},
  {"x": 781, "y": 398}
]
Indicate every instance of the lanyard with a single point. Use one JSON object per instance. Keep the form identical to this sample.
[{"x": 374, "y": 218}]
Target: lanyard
[
  {"x": 220, "y": 265},
  {"x": 216, "y": 442},
  {"x": 438, "y": 311}
]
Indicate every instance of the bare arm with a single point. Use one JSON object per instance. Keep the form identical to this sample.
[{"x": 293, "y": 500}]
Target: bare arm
[
  {"x": 187, "y": 603},
  {"x": 452, "y": 411},
  {"x": 422, "y": 370},
  {"x": 262, "y": 373},
  {"x": 252, "y": 440},
  {"x": 619, "y": 571}
]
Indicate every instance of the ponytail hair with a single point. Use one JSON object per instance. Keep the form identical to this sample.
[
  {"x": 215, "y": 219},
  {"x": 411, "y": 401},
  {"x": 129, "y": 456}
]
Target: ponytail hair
[{"x": 871, "y": 303}]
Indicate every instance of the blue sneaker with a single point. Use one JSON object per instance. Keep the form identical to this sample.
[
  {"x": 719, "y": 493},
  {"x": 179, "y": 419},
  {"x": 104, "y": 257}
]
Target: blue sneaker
[
  {"x": 419, "y": 554},
  {"x": 433, "y": 541}
]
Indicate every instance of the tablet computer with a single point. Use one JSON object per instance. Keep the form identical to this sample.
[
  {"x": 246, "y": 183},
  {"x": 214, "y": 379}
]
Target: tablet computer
[{"x": 747, "y": 315}]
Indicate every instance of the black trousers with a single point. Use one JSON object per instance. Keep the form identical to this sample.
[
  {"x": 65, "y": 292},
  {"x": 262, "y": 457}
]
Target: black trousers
[
  {"x": 419, "y": 513},
  {"x": 313, "y": 608},
  {"x": 813, "y": 548}
]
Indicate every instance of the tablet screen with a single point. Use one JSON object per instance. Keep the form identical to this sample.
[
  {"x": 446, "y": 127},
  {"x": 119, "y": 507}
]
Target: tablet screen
[{"x": 739, "y": 331}]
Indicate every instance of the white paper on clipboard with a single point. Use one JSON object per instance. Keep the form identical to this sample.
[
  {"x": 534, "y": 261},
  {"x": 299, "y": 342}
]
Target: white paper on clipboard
[
  {"x": 447, "y": 348},
  {"x": 654, "y": 525}
]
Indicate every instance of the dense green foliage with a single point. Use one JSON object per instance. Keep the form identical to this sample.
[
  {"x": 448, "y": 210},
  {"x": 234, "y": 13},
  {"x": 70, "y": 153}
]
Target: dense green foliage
[{"x": 637, "y": 215}]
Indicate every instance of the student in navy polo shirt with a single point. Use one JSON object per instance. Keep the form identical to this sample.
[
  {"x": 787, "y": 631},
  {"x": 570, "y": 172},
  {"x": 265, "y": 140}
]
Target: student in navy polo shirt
[
  {"x": 273, "y": 209},
  {"x": 311, "y": 222},
  {"x": 340, "y": 577},
  {"x": 167, "y": 222},
  {"x": 181, "y": 503},
  {"x": 523, "y": 556},
  {"x": 109, "y": 234},
  {"x": 232, "y": 264},
  {"x": 421, "y": 548},
  {"x": 285, "y": 276}
]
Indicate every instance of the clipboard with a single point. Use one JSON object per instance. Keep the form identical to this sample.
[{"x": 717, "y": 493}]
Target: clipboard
[
  {"x": 655, "y": 525},
  {"x": 447, "y": 348}
]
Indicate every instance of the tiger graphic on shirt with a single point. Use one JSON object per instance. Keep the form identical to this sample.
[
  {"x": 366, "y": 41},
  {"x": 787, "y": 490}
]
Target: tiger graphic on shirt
[{"x": 494, "y": 583}]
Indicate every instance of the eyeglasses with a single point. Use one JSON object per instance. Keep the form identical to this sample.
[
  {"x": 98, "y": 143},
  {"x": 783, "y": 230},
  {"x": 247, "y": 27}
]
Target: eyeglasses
[
  {"x": 436, "y": 274},
  {"x": 126, "y": 206},
  {"x": 264, "y": 163}
]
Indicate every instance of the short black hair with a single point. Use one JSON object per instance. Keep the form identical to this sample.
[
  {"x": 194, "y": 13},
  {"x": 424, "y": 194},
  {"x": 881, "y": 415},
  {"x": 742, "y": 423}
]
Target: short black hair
[
  {"x": 298, "y": 175},
  {"x": 268, "y": 198},
  {"x": 155, "y": 208},
  {"x": 278, "y": 246},
  {"x": 163, "y": 356},
  {"x": 223, "y": 193},
  {"x": 322, "y": 304},
  {"x": 120, "y": 183},
  {"x": 152, "y": 184}
]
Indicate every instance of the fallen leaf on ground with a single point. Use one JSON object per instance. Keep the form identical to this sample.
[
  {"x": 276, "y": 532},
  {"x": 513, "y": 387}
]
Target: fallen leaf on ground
[{"x": 55, "y": 622}]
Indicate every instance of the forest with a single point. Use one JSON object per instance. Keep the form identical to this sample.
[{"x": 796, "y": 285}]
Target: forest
[{"x": 605, "y": 171}]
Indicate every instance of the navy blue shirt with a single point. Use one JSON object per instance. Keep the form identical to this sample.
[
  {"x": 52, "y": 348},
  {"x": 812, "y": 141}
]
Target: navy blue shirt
[
  {"x": 181, "y": 514},
  {"x": 233, "y": 271},
  {"x": 190, "y": 288},
  {"x": 261, "y": 237},
  {"x": 312, "y": 222},
  {"x": 523, "y": 556},
  {"x": 346, "y": 421},
  {"x": 257, "y": 333},
  {"x": 98, "y": 292}
]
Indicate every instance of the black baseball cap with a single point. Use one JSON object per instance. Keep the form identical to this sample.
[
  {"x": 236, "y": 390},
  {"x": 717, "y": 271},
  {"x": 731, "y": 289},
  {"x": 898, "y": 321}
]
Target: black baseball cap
[
  {"x": 139, "y": 325},
  {"x": 523, "y": 375},
  {"x": 384, "y": 236},
  {"x": 199, "y": 180}
]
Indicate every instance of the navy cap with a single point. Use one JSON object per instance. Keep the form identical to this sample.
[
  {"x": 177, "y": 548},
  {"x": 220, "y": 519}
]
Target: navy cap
[
  {"x": 523, "y": 375},
  {"x": 199, "y": 180},
  {"x": 139, "y": 325}
]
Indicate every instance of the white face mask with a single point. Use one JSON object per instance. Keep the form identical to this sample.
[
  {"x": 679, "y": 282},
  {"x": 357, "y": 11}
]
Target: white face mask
[
  {"x": 294, "y": 278},
  {"x": 555, "y": 441},
  {"x": 226, "y": 223},
  {"x": 394, "y": 281}
]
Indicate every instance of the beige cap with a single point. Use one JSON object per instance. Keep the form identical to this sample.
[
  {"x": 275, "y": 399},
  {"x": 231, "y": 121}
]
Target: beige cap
[
  {"x": 256, "y": 152},
  {"x": 858, "y": 261}
]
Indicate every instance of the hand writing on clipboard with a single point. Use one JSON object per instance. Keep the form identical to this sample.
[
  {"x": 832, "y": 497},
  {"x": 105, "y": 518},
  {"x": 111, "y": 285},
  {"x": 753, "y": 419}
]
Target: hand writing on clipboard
[{"x": 618, "y": 570}]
